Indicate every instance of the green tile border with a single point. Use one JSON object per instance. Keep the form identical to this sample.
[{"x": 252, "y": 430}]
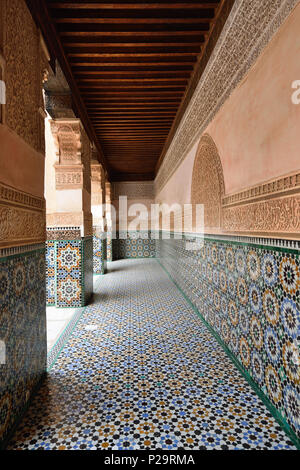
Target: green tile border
[{"x": 274, "y": 412}]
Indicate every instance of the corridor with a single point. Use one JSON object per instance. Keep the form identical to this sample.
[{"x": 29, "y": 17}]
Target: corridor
[{"x": 140, "y": 370}]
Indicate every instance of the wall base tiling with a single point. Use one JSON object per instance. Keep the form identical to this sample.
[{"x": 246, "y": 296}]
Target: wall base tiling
[
  {"x": 249, "y": 294},
  {"x": 109, "y": 247},
  {"x": 99, "y": 253},
  {"x": 87, "y": 276},
  {"x": 70, "y": 265},
  {"x": 135, "y": 245},
  {"x": 23, "y": 332}
]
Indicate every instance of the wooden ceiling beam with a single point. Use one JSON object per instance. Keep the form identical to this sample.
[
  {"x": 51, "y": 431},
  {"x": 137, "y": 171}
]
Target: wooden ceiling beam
[
  {"x": 135, "y": 34},
  {"x": 131, "y": 20},
  {"x": 133, "y": 6},
  {"x": 123, "y": 75},
  {"x": 135, "y": 55},
  {"x": 130, "y": 65},
  {"x": 41, "y": 16},
  {"x": 134, "y": 64}
]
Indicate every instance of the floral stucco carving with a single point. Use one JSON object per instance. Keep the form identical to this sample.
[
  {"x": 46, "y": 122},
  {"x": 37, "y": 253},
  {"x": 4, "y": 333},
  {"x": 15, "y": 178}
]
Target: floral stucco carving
[
  {"x": 24, "y": 73},
  {"x": 249, "y": 28},
  {"x": 22, "y": 218},
  {"x": 208, "y": 182}
]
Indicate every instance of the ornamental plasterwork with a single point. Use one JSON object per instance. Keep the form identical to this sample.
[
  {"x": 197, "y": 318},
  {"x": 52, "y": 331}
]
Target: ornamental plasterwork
[
  {"x": 22, "y": 218},
  {"x": 249, "y": 28},
  {"x": 275, "y": 217},
  {"x": 67, "y": 139},
  {"x": 25, "y": 61},
  {"x": 283, "y": 186},
  {"x": 270, "y": 209},
  {"x": 69, "y": 177},
  {"x": 134, "y": 190},
  {"x": 208, "y": 182}
]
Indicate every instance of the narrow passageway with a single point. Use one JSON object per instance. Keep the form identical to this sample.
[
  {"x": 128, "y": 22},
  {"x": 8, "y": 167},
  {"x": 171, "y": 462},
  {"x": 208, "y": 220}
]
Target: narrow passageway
[{"x": 140, "y": 370}]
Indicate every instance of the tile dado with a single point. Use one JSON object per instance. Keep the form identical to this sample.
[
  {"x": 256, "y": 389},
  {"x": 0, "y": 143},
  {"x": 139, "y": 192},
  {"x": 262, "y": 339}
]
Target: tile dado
[
  {"x": 249, "y": 294},
  {"x": 109, "y": 247},
  {"x": 23, "y": 331},
  {"x": 69, "y": 272},
  {"x": 136, "y": 245},
  {"x": 99, "y": 254}
]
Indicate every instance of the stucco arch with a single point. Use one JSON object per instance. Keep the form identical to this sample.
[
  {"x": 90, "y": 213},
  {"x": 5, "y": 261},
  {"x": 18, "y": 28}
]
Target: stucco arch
[{"x": 208, "y": 182}]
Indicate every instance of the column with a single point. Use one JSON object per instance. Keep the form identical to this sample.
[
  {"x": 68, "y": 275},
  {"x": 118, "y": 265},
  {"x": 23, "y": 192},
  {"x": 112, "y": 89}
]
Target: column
[
  {"x": 23, "y": 346},
  {"x": 69, "y": 217},
  {"x": 109, "y": 222},
  {"x": 98, "y": 201}
]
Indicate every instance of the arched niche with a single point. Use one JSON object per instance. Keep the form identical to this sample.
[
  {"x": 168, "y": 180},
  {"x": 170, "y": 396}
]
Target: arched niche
[{"x": 208, "y": 183}]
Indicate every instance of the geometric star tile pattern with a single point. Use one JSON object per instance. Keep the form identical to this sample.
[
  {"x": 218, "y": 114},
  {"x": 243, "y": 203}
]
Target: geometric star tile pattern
[
  {"x": 141, "y": 371},
  {"x": 249, "y": 294}
]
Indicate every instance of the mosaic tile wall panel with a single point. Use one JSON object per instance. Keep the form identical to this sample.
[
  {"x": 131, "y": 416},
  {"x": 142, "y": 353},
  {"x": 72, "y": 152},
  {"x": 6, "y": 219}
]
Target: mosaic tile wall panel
[
  {"x": 136, "y": 245},
  {"x": 23, "y": 331},
  {"x": 69, "y": 280},
  {"x": 99, "y": 254},
  {"x": 87, "y": 246},
  {"x": 70, "y": 263},
  {"x": 140, "y": 370},
  {"x": 250, "y": 295},
  {"x": 50, "y": 273}
]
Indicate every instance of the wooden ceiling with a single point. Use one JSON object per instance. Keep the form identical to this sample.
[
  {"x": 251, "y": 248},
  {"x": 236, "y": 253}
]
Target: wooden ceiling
[{"x": 133, "y": 64}]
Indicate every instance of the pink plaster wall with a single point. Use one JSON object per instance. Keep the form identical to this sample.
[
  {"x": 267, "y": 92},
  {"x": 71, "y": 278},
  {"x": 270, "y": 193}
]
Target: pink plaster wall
[
  {"x": 257, "y": 130},
  {"x": 178, "y": 188},
  {"x": 20, "y": 165}
]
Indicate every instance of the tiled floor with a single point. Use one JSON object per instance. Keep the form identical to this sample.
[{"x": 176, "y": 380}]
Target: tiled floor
[{"x": 141, "y": 371}]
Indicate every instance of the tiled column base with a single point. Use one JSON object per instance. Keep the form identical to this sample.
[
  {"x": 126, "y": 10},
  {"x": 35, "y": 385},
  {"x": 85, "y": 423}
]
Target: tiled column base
[
  {"x": 99, "y": 253},
  {"x": 69, "y": 272}
]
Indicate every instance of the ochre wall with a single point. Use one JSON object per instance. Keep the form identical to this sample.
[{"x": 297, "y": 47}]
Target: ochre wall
[{"x": 256, "y": 131}]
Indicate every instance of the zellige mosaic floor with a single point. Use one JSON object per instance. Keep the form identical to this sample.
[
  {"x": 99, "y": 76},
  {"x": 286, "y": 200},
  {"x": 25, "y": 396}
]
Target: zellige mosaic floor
[{"x": 141, "y": 371}]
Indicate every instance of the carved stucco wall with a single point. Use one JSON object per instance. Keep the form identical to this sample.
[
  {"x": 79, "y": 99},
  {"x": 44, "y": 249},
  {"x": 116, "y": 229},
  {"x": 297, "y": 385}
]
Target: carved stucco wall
[
  {"x": 26, "y": 61},
  {"x": 248, "y": 30},
  {"x": 68, "y": 174},
  {"x": 270, "y": 209},
  {"x": 208, "y": 182},
  {"x": 256, "y": 133},
  {"x": 137, "y": 193}
]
